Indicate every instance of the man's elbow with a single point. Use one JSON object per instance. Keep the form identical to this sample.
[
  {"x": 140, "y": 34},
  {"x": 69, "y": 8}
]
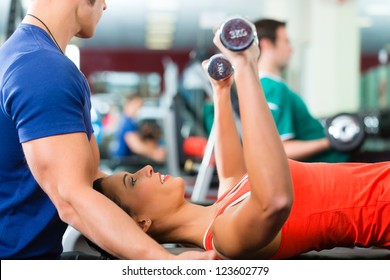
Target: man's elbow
[
  {"x": 65, "y": 205},
  {"x": 66, "y": 212}
]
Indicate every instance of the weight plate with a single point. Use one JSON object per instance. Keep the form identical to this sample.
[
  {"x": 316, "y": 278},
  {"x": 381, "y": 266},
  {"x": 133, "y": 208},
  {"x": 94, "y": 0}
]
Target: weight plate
[{"x": 345, "y": 132}]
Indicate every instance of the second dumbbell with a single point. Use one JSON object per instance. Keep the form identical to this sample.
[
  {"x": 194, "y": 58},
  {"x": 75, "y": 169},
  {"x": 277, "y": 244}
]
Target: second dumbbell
[{"x": 219, "y": 67}]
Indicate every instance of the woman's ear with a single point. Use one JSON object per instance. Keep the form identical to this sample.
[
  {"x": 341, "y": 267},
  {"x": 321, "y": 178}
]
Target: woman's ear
[{"x": 144, "y": 223}]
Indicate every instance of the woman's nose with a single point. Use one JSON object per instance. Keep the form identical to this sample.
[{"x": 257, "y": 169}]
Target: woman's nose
[{"x": 148, "y": 170}]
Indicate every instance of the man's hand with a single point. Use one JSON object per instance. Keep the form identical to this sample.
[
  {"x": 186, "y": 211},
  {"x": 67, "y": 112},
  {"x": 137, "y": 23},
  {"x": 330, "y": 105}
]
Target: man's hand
[{"x": 196, "y": 255}]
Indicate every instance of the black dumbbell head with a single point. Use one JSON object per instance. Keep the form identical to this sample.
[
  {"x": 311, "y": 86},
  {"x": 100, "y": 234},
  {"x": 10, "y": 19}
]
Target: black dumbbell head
[
  {"x": 237, "y": 34},
  {"x": 219, "y": 68}
]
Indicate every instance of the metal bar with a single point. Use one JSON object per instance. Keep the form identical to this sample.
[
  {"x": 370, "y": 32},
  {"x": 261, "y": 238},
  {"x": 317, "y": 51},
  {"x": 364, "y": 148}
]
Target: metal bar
[{"x": 206, "y": 171}]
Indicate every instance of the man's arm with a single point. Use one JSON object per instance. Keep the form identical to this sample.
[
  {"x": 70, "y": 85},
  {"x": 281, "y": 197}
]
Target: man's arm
[
  {"x": 301, "y": 150},
  {"x": 96, "y": 158},
  {"x": 289, "y": 108},
  {"x": 65, "y": 167},
  {"x": 143, "y": 148}
]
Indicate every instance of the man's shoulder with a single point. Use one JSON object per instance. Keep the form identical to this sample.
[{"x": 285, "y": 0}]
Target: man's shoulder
[
  {"x": 274, "y": 82},
  {"x": 276, "y": 89},
  {"x": 30, "y": 47}
]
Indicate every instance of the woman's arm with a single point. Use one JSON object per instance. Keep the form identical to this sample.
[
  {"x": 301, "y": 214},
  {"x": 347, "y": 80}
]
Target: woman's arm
[
  {"x": 228, "y": 150},
  {"x": 253, "y": 224}
]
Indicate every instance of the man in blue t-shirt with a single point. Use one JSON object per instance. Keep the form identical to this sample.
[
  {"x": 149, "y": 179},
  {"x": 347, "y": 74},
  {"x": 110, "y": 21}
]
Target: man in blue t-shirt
[
  {"x": 303, "y": 136},
  {"x": 132, "y": 139},
  {"x": 48, "y": 153}
]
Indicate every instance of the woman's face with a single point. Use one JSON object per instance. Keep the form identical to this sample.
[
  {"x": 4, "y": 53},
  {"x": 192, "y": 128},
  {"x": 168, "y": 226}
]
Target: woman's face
[{"x": 146, "y": 192}]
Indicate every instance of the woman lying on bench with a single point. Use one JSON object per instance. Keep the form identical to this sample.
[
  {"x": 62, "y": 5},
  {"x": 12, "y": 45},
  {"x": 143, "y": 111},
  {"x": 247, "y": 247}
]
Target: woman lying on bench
[{"x": 268, "y": 206}]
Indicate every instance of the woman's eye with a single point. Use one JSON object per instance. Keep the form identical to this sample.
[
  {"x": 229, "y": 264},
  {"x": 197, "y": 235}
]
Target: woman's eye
[{"x": 133, "y": 181}]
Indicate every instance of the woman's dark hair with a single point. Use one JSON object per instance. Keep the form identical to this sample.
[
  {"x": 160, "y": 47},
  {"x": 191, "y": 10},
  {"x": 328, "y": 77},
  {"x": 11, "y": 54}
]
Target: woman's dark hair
[{"x": 97, "y": 186}]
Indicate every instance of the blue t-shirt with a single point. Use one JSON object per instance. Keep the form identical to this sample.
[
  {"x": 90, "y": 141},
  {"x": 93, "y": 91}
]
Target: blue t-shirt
[
  {"x": 42, "y": 94},
  {"x": 121, "y": 149}
]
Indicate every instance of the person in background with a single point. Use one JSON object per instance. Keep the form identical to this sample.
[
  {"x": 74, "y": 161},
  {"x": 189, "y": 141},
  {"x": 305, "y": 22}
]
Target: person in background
[
  {"x": 134, "y": 139},
  {"x": 303, "y": 135}
]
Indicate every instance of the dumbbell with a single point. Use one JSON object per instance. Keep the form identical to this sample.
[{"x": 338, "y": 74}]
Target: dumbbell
[
  {"x": 237, "y": 34},
  {"x": 345, "y": 132},
  {"x": 219, "y": 67}
]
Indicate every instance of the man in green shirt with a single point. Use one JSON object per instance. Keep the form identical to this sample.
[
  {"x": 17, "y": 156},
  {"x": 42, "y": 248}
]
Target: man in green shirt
[{"x": 303, "y": 136}]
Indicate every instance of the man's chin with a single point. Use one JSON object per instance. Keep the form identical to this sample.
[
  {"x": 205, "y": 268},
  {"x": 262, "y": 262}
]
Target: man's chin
[{"x": 84, "y": 35}]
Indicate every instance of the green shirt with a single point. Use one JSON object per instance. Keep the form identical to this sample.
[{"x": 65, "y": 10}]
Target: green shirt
[{"x": 293, "y": 119}]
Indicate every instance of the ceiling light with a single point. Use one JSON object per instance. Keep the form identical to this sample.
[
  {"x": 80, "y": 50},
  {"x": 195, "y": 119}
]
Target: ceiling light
[
  {"x": 154, "y": 35},
  {"x": 159, "y": 39},
  {"x": 159, "y": 42},
  {"x": 158, "y": 46},
  {"x": 160, "y": 29}
]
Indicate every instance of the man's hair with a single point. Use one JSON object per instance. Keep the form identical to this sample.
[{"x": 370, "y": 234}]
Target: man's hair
[
  {"x": 97, "y": 186},
  {"x": 266, "y": 28},
  {"x": 131, "y": 97}
]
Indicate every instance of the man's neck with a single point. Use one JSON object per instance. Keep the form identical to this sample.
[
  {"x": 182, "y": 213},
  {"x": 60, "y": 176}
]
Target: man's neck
[
  {"x": 62, "y": 26},
  {"x": 269, "y": 69}
]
